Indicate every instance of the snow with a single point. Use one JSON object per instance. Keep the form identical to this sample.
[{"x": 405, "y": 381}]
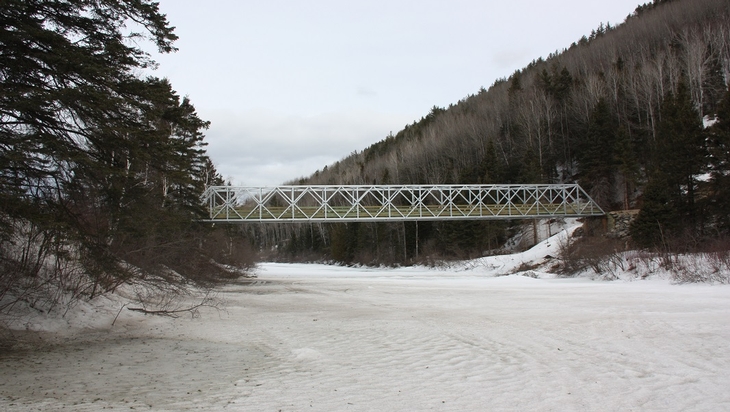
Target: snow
[
  {"x": 708, "y": 121},
  {"x": 477, "y": 335}
]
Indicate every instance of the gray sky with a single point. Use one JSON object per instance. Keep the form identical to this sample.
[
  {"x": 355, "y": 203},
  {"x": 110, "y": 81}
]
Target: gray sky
[{"x": 292, "y": 86}]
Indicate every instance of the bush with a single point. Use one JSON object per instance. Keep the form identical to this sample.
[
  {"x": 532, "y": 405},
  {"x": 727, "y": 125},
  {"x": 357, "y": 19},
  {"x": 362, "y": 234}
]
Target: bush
[{"x": 602, "y": 255}]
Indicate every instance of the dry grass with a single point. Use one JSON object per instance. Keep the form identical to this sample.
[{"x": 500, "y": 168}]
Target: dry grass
[{"x": 611, "y": 259}]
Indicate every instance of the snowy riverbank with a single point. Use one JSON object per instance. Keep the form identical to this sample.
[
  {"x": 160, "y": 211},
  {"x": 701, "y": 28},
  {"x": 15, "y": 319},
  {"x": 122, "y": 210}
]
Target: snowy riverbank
[{"x": 325, "y": 338}]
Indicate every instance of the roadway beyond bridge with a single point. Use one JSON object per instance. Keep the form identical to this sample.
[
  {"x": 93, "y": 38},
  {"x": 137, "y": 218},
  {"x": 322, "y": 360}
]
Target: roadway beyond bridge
[{"x": 382, "y": 203}]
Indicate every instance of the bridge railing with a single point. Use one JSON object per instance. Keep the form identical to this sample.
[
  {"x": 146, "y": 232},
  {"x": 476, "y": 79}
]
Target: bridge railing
[{"x": 346, "y": 203}]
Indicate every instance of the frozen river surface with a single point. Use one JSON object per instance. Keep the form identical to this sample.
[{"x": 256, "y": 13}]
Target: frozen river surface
[{"x": 311, "y": 337}]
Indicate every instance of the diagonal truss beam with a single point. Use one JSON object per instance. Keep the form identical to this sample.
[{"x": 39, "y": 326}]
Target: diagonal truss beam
[{"x": 377, "y": 203}]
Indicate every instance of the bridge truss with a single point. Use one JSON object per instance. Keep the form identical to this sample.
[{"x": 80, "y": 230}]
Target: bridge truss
[{"x": 379, "y": 203}]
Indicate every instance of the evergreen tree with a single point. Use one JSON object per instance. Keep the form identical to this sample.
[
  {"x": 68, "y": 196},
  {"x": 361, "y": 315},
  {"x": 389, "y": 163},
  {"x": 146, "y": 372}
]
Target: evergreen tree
[
  {"x": 91, "y": 153},
  {"x": 681, "y": 152},
  {"x": 491, "y": 165},
  {"x": 530, "y": 172},
  {"x": 71, "y": 105},
  {"x": 669, "y": 200},
  {"x": 628, "y": 165},
  {"x": 658, "y": 218},
  {"x": 596, "y": 158},
  {"x": 719, "y": 146}
]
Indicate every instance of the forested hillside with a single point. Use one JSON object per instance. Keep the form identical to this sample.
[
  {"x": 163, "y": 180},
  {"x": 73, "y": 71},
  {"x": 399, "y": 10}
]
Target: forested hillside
[
  {"x": 620, "y": 111},
  {"x": 101, "y": 168}
]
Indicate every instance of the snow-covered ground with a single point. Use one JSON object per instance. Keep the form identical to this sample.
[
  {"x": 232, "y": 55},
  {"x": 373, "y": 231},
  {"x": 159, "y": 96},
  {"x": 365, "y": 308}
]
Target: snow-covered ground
[{"x": 324, "y": 338}]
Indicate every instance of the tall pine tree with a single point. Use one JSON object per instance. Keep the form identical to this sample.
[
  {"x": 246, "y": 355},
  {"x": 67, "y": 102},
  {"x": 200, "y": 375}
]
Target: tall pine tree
[
  {"x": 92, "y": 155},
  {"x": 669, "y": 205},
  {"x": 719, "y": 148},
  {"x": 681, "y": 150},
  {"x": 596, "y": 157}
]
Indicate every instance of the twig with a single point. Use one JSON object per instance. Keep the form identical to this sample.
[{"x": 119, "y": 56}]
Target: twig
[
  {"x": 173, "y": 313},
  {"x": 120, "y": 311}
]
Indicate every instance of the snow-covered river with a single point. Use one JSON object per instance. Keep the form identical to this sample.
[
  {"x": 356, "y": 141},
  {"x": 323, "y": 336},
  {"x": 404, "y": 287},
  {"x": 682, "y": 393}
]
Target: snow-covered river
[{"x": 312, "y": 337}]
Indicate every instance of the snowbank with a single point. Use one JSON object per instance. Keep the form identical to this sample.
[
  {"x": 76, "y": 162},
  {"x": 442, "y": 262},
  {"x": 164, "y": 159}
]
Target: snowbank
[{"x": 327, "y": 338}]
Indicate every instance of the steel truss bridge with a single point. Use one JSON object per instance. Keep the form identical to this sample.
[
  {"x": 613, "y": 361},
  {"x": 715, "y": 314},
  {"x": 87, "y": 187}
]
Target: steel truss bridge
[{"x": 378, "y": 203}]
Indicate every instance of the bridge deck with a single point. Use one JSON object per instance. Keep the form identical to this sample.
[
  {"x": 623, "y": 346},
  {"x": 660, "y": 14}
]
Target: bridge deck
[
  {"x": 435, "y": 212},
  {"x": 396, "y": 203}
]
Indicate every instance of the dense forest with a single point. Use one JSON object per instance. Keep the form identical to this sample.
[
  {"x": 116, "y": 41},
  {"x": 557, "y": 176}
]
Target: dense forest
[
  {"x": 638, "y": 113},
  {"x": 101, "y": 168}
]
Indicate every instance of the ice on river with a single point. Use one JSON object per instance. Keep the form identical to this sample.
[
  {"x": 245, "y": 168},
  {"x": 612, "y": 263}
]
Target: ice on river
[{"x": 323, "y": 338}]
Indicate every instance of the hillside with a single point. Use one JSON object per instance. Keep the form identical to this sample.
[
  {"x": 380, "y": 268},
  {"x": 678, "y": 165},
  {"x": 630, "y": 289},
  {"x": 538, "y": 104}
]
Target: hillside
[{"x": 610, "y": 111}]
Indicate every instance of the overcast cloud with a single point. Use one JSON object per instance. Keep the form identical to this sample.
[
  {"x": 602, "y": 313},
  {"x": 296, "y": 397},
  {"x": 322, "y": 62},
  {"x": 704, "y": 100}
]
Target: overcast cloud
[{"x": 291, "y": 86}]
